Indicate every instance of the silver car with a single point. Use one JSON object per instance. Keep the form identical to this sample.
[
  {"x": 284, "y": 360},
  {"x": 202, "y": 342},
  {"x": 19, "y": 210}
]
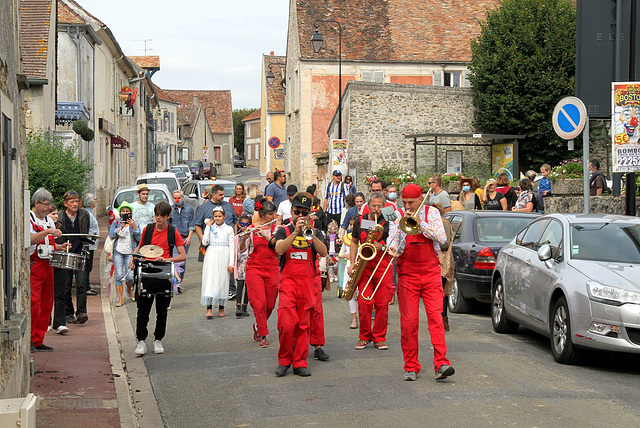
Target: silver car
[
  {"x": 193, "y": 190},
  {"x": 574, "y": 278}
]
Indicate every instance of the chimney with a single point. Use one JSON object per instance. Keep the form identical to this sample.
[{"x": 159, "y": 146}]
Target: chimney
[
  {"x": 195, "y": 100},
  {"x": 271, "y": 53}
]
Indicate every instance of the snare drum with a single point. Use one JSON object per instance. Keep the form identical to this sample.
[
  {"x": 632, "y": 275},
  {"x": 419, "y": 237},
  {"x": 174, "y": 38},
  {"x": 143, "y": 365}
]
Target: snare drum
[
  {"x": 152, "y": 277},
  {"x": 68, "y": 261}
]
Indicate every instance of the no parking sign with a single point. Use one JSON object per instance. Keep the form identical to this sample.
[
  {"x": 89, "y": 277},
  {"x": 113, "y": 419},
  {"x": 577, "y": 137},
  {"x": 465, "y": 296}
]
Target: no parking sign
[{"x": 569, "y": 117}]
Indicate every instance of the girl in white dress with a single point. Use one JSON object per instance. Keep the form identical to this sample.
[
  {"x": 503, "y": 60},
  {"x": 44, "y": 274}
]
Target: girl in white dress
[{"x": 218, "y": 262}]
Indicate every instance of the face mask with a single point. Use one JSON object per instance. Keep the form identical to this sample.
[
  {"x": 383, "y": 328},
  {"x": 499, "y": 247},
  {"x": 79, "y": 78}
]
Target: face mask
[
  {"x": 393, "y": 196},
  {"x": 466, "y": 188},
  {"x": 179, "y": 202}
]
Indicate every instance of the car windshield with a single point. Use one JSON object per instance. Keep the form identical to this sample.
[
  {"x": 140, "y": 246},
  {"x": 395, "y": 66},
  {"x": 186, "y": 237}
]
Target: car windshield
[
  {"x": 178, "y": 172},
  {"x": 168, "y": 181},
  {"x": 194, "y": 164},
  {"x": 229, "y": 188},
  {"x": 622, "y": 241},
  {"x": 500, "y": 229},
  {"x": 155, "y": 196}
]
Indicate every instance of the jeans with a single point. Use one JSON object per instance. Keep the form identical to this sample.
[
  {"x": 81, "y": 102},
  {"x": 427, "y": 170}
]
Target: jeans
[{"x": 120, "y": 267}]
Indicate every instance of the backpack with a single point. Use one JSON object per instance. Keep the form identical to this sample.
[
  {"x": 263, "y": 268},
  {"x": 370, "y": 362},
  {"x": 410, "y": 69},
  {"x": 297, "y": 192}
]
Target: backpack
[
  {"x": 605, "y": 189},
  {"x": 171, "y": 235}
]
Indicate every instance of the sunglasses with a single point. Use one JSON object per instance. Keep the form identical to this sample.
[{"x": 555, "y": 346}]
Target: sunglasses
[
  {"x": 242, "y": 224},
  {"x": 301, "y": 212},
  {"x": 431, "y": 182}
]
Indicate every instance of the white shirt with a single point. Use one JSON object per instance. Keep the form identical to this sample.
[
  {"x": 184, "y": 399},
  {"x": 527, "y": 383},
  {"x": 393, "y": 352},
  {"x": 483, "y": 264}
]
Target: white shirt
[
  {"x": 45, "y": 223},
  {"x": 284, "y": 209}
]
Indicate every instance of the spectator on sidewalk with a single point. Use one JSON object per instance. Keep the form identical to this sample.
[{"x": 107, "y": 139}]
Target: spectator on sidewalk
[
  {"x": 438, "y": 194},
  {"x": 276, "y": 191},
  {"x": 334, "y": 197},
  {"x": 544, "y": 188},
  {"x": 269, "y": 179},
  {"x": 89, "y": 204},
  {"x": 127, "y": 234},
  {"x": 525, "y": 200},
  {"x": 597, "y": 183},
  {"x": 183, "y": 218}
]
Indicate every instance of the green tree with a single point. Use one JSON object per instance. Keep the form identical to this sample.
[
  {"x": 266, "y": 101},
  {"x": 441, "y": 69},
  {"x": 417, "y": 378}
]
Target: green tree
[
  {"x": 522, "y": 64},
  {"x": 56, "y": 165},
  {"x": 238, "y": 128}
]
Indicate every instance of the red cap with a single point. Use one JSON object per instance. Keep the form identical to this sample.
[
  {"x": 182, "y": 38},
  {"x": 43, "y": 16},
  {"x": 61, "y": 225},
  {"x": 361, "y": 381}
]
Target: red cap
[{"x": 411, "y": 191}]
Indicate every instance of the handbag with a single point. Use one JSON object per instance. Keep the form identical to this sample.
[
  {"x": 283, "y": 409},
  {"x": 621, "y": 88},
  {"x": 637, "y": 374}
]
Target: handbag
[{"x": 108, "y": 245}]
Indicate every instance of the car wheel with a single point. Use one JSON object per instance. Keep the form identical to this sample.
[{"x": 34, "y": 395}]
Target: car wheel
[
  {"x": 457, "y": 302},
  {"x": 499, "y": 320},
  {"x": 560, "y": 327}
]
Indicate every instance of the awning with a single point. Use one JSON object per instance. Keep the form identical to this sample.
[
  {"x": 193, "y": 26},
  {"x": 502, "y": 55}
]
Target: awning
[{"x": 119, "y": 143}]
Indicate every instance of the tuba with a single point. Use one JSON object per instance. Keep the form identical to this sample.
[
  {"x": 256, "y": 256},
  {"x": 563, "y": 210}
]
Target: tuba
[{"x": 366, "y": 252}]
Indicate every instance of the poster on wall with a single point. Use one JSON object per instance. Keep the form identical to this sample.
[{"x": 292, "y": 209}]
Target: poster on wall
[
  {"x": 502, "y": 159},
  {"x": 454, "y": 161},
  {"x": 625, "y": 115},
  {"x": 339, "y": 159}
]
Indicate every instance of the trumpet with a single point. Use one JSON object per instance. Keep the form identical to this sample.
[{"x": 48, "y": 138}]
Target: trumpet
[
  {"x": 307, "y": 230},
  {"x": 410, "y": 225},
  {"x": 254, "y": 228}
]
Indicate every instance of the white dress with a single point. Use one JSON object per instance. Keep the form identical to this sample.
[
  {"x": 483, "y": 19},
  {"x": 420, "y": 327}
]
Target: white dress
[{"x": 220, "y": 254}]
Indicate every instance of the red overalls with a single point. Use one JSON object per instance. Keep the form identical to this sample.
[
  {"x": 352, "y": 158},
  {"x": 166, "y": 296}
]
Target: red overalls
[
  {"x": 316, "y": 328},
  {"x": 419, "y": 278},
  {"x": 262, "y": 281},
  {"x": 380, "y": 300},
  {"x": 41, "y": 283},
  {"x": 297, "y": 291}
]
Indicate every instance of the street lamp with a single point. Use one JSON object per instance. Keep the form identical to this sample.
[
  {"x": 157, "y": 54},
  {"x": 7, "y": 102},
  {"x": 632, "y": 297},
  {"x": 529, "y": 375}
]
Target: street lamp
[
  {"x": 270, "y": 77},
  {"x": 316, "y": 44}
]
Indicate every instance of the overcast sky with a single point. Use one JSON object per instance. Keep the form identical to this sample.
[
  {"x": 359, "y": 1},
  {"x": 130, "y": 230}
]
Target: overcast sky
[{"x": 202, "y": 44}]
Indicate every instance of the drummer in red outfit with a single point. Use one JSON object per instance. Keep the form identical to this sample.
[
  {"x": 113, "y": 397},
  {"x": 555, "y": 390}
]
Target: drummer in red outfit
[
  {"x": 373, "y": 276},
  {"x": 262, "y": 268},
  {"x": 298, "y": 287},
  {"x": 419, "y": 278},
  {"x": 42, "y": 231}
]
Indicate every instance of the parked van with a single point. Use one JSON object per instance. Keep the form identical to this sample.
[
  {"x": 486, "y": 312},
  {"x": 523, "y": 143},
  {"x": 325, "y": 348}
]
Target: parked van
[{"x": 169, "y": 179}]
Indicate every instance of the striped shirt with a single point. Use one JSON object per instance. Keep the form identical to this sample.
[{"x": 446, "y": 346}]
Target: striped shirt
[{"x": 336, "y": 194}]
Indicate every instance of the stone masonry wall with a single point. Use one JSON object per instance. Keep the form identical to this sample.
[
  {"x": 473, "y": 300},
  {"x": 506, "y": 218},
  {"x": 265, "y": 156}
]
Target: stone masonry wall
[{"x": 380, "y": 115}]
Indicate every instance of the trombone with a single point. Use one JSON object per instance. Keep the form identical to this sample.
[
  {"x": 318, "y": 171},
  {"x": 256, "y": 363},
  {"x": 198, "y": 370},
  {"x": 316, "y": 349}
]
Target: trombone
[{"x": 410, "y": 225}]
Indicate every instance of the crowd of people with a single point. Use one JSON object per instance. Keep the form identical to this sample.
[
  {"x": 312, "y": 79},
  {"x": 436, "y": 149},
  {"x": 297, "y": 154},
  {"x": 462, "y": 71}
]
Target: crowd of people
[{"x": 277, "y": 245}]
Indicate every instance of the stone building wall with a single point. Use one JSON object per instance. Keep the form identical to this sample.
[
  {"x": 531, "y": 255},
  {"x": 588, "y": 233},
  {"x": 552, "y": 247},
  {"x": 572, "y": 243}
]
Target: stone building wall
[{"x": 380, "y": 115}]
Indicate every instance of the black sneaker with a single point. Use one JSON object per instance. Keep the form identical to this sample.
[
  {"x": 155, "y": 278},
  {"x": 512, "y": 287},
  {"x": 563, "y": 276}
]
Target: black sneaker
[
  {"x": 302, "y": 371},
  {"x": 232, "y": 295},
  {"x": 44, "y": 348},
  {"x": 71, "y": 319},
  {"x": 319, "y": 354},
  {"x": 238, "y": 312},
  {"x": 282, "y": 370},
  {"x": 82, "y": 318},
  {"x": 444, "y": 371}
]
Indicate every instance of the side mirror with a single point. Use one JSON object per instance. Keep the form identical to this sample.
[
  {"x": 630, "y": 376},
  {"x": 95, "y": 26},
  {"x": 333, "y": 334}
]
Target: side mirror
[{"x": 544, "y": 254}]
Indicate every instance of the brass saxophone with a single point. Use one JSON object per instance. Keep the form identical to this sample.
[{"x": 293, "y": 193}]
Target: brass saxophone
[{"x": 366, "y": 252}]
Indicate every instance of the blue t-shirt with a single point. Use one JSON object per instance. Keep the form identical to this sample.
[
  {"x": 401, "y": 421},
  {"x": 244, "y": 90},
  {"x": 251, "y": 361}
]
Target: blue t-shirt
[
  {"x": 278, "y": 193},
  {"x": 350, "y": 213},
  {"x": 205, "y": 211},
  {"x": 545, "y": 184}
]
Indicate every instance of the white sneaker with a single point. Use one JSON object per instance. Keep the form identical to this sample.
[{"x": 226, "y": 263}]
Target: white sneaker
[
  {"x": 141, "y": 349},
  {"x": 157, "y": 347},
  {"x": 62, "y": 329}
]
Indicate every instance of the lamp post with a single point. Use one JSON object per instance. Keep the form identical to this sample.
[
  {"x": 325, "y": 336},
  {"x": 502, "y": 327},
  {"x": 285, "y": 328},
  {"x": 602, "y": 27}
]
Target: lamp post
[
  {"x": 270, "y": 77},
  {"x": 316, "y": 44}
]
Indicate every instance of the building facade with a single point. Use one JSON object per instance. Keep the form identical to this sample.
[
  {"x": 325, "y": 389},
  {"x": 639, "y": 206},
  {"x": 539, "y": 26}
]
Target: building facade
[
  {"x": 15, "y": 336},
  {"x": 272, "y": 114},
  {"x": 252, "y": 138},
  {"x": 400, "y": 41}
]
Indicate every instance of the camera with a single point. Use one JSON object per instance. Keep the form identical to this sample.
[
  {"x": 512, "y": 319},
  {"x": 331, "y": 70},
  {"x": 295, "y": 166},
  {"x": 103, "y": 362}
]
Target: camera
[{"x": 126, "y": 217}]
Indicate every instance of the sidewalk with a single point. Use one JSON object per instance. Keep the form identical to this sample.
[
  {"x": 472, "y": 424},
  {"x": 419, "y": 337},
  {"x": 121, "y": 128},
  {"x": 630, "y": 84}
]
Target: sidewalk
[{"x": 83, "y": 382}]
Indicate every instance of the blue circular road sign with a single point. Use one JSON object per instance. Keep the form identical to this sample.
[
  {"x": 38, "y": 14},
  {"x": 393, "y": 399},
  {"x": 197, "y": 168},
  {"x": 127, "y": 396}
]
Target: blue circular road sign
[{"x": 569, "y": 117}]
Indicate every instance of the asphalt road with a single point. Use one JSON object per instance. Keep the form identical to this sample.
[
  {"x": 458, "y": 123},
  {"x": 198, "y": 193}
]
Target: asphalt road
[{"x": 213, "y": 375}]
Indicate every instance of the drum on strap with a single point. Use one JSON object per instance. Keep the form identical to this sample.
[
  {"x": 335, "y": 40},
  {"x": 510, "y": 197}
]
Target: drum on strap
[
  {"x": 67, "y": 260},
  {"x": 152, "y": 277}
]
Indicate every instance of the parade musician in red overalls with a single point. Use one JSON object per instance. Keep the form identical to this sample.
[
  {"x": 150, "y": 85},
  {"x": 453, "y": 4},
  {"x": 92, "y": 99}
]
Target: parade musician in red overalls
[
  {"x": 373, "y": 276},
  {"x": 42, "y": 231},
  {"x": 419, "y": 278},
  {"x": 298, "y": 286}
]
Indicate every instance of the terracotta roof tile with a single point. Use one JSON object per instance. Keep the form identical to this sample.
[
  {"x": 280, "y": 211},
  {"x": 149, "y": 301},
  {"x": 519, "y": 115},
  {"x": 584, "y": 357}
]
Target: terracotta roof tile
[
  {"x": 212, "y": 101},
  {"x": 253, "y": 116},
  {"x": 393, "y": 30},
  {"x": 66, "y": 15},
  {"x": 149, "y": 61},
  {"x": 76, "y": 7},
  {"x": 35, "y": 23},
  {"x": 275, "y": 92},
  {"x": 186, "y": 115}
]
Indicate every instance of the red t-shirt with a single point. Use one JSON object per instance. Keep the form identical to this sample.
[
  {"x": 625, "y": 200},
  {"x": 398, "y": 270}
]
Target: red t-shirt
[
  {"x": 237, "y": 205},
  {"x": 161, "y": 239}
]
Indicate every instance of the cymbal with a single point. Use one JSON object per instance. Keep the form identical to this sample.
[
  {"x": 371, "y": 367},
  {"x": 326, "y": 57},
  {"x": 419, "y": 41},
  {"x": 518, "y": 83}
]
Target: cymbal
[{"x": 151, "y": 251}]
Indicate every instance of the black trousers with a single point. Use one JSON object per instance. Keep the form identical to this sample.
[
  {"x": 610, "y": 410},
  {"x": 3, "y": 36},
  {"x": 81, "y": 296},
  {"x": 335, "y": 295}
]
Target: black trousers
[
  {"x": 63, "y": 303},
  {"x": 89, "y": 269},
  {"x": 242, "y": 298},
  {"x": 144, "y": 309}
]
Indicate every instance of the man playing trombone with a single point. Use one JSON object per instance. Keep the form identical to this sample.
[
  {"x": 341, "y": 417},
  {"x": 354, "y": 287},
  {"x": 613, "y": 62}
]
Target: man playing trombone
[
  {"x": 417, "y": 244},
  {"x": 298, "y": 245},
  {"x": 375, "y": 284}
]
